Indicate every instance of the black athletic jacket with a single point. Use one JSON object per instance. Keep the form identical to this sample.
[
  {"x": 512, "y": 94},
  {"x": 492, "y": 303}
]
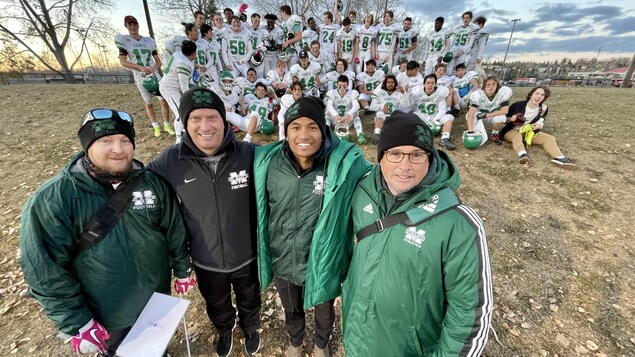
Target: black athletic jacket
[{"x": 219, "y": 209}]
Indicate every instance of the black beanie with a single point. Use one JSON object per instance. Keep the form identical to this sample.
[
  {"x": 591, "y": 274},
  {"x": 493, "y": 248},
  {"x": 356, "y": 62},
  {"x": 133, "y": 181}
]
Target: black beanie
[
  {"x": 92, "y": 129},
  {"x": 197, "y": 98},
  {"x": 310, "y": 107},
  {"x": 404, "y": 129}
]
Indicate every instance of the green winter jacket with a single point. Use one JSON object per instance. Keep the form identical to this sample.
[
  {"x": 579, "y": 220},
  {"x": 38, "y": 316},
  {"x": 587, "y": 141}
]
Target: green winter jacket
[
  {"x": 423, "y": 290},
  {"x": 331, "y": 244},
  {"x": 112, "y": 280}
]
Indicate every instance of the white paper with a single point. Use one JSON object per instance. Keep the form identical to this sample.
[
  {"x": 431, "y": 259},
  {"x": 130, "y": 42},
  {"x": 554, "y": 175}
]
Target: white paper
[{"x": 151, "y": 333}]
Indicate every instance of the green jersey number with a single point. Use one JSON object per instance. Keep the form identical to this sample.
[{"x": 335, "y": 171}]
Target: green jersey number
[
  {"x": 385, "y": 38},
  {"x": 435, "y": 46},
  {"x": 342, "y": 110},
  {"x": 328, "y": 36},
  {"x": 262, "y": 111},
  {"x": 347, "y": 46},
  {"x": 200, "y": 57},
  {"x": 365, "y": 41},
  {"x": 389, "y": 106},
  {"x": 404, "y": 43},
  {"x": 308, "y": 84},
  {"x": 461, "y": 39},
  {"x": 429, "y": 109},
  {"x": 237, "y": 47},
  {"x": 143, "y": 56},
  {"x": 213, "y": 55},
  {"x": 169, "y": 64}
]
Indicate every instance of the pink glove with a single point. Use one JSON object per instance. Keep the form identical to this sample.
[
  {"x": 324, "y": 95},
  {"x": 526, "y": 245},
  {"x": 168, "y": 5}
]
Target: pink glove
[
  {"x": 90, "y": 339},
  {"x": 183, "y": 285}
]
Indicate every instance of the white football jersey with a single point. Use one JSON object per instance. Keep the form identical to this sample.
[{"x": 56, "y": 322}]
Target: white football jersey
[
  {"x": 273, "y": 38},
  {"x": 331, "y": 79},
  {"x": 174, "y": 44},
  {"x": 463, "y": 84},
  {"x": 480, "y": 100},
  {"x": 262, "y": 106},
  {"x": 287, "y": 100},
  {"x": 306, "y": 76},
  {"x": 365, "y": 37},
  {"x": 409, "y": 83},
  {"x": 347, "y": 39},
  {"x": 479, "y": 44},
  {"x": 428, "y": 106},
  {"x": 214, "y": 50},
  {"x": 178, "y": 73},
  {"x": 274, "y": 76},
  {"x": 464, "y": 37},
  {"x": 404, "y": 38},
  {"x": 323, "y": 59},
  {"x": 137, "y": 51},
  {"x": 327, "y": 37},
  {"x": 370, "y": 82},
  {"x": 230, "y": 99},
  {"x": 237, "y": 46},
  {"x": 290, "y": 27},
  {"x": 341, "y": 104},
  {"x": 218, "y": 34},
  {"x": 437, "y": 43},
  {"x": 386, "y": 36},
  {"x": 445, "y": 81},
  {"x": 308, "y": 36},
  {"x": 257, "y": 38},
  {"x": 392, "y": 100},
  {"x": 202, "y": 52}
]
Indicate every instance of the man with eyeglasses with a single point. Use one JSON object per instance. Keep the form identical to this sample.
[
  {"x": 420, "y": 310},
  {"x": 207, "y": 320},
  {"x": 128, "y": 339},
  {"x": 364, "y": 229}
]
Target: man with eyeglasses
[
  {"x": 419, "y": 282},
  {"x": 94, "y": 289}
]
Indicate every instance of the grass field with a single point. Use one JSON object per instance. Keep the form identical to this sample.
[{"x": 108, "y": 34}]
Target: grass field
[{"x": 561, "y": 242}]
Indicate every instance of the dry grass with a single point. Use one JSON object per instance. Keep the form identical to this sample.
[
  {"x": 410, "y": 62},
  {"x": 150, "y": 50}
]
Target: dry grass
[{"x": 560, "y": 241}]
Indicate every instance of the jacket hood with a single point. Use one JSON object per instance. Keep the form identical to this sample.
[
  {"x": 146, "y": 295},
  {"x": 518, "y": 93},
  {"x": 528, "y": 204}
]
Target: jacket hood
[{"x": 441, "y": 173}]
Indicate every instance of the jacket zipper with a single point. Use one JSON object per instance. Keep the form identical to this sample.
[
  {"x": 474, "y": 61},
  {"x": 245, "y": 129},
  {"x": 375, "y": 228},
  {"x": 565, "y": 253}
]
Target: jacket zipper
[
  {"x": 295, "y": 224},
  {"x": 216, "y": 209}
]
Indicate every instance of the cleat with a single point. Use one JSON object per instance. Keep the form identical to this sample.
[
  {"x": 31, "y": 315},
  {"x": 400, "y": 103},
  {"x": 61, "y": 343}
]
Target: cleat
[
  {"x": 375, "y": 139},
  {"x": 168, "y": 129},
  {"x": 157, "y": 131},
  {"x": 361, "y": 139},
  {"x": 446, "y": 143}
]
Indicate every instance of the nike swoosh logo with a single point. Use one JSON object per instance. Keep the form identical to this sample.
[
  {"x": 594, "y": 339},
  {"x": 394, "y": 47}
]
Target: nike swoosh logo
[
  {"x": 93, "y": 334},
  {"x": 188, "y": 181}
]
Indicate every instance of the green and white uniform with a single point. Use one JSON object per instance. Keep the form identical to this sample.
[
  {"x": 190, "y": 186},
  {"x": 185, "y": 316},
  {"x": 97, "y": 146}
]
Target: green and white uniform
[
  {"x": 307, "y": 76},
  {"x": 437, "y": 44},
  {"x": 370, "y": 83},
  {"x": 327, "y": 38},
  {"x": 382, "y": 98},
  {"x": 346, "y": 41},
  {"x": 236, "y": 51},
  {"x": 140, "y": 52},
  {"x": 365, "y": 39},
  {"x": 429, "y": 107},
  {"x": 405, "y": 39},
  {"x": 386, "y": 40}
]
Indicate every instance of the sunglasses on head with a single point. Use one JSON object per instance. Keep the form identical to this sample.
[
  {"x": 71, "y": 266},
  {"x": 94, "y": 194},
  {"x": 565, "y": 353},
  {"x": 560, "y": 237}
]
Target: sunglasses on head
[{"x": 99, "y": 114}]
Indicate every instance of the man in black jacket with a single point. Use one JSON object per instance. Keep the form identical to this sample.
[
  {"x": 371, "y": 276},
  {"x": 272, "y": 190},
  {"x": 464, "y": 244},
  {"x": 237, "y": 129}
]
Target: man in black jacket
[{"x": 212, "y": 173}]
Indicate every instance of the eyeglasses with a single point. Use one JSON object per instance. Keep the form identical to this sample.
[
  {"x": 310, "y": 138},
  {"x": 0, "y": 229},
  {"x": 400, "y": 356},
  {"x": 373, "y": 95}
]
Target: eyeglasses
[
  {"x": 100, "y": 114},
  {"x": 417, "y": 157}
]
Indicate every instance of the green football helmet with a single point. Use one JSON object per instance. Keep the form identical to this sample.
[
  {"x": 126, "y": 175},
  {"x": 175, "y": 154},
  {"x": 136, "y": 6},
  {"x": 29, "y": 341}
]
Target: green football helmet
[
  {"x": 150, "y": 82},
  {"x": 472, "y": 141},
  {"x": 341, "y": 131},
  {"x": 267, "y": 127},
  {"x": 435, "y": 127},
  {"x": 226, "y": 81},
  {"x": 448, "y": 57}
]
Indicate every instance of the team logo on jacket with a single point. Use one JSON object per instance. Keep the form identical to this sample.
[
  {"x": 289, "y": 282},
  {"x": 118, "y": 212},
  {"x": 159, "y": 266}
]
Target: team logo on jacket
[
  {"x": 238, "y": 179},
  {"x": 319, "y": 185},
  {"x": 143, "y": 199},
  {"x": 415, "y": 236}
]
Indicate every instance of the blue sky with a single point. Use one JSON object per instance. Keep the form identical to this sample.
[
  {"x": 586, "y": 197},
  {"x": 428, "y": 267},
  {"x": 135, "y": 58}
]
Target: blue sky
[{"x": 547, "y": 30}]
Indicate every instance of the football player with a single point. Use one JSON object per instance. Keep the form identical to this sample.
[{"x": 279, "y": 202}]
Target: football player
[
  {"x": 237, "y": 49},
  {"x": 277, "y": 78},
  {"x": 177, "y": 79},
  {"x": 292, "y": 29},
  {"x": 429, "y": 103},
  {"x": 489, "y": 104},
  {"x": 367, "y": 82},
  {"x": 406, "y": 40},
  {"x": 285, "y": 103},
  {"x": 273, "y": 42},
  {"x": 342, "y": 108},
  {"x": 341, "y": 68},
  {"x": 366, "y": 43},
  {"x": 139, "y": 54},
  {"x": 212, "y": 55},
  {"x": 258, "y": 35},
  {"x": 464, "y": 36},
  {"x": 411, "y": 78},
  {"x": 464, "y": 84},
  {"x": 257, "y": 108},
  {"x": 437, "y": 45},
  {"x": 386, "y": 99},
  {"x": 478, "y": 49},
  {"x": 307, "y": 73},
  {"x": 327, "y": 34},
  {"x": 347, "y": 42},
  {"x": 317, "y": 55},
  {"x": 310, "y": 34},
  {"x": 386, "y": 40}
]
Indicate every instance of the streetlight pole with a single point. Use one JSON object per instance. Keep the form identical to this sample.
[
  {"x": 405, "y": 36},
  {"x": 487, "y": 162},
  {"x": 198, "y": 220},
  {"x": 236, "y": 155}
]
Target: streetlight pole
[{"x": 507, "y": 50}]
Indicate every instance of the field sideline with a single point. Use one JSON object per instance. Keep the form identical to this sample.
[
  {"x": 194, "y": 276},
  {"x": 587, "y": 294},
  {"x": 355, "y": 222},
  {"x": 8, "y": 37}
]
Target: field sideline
[{"x": 561, "y": 242}]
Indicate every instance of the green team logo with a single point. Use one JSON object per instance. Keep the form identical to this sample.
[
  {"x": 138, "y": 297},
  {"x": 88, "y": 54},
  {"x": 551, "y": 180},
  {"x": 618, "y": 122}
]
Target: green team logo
[
  {"x": 292, "y": 113},
  {"x": 423, "y": 138},
  {"x": 203, "y": 97},
  {"x": 104, "y": 127}
]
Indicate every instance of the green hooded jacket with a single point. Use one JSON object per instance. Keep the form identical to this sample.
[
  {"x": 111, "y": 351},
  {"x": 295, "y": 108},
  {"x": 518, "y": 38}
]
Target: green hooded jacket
[
  {"x": 422, "y": 290},
  {"x": 112, "y": 280},
  {"x": 331, "y": 244}
]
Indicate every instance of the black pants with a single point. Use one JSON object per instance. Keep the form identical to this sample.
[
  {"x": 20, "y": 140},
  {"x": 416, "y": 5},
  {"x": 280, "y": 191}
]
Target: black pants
[
  {"x": 216, "y": 290},
  {"x": 292, "y": 297}
]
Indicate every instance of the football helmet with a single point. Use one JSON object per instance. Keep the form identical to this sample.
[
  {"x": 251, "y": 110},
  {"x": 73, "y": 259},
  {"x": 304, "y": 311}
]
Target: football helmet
[
  {"x": 206, "y": 80},
  {"x": 472, "y": 141},
  {"x": 285, "y": 54},
  {"x": 227, "y": 81},
  {"x": 267, "y": 127},
  {"x": 448, "y": 57},
  {"x": 435, "y": 127},
  {"x": 340, "y": 5},
  {"x": 341, "y": 131},
  {"x": 256, "y": 59},
  {"x": 150, "y": 82}
]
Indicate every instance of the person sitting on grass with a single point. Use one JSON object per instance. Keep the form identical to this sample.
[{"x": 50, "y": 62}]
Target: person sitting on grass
[{"x": 525, "y": 121}]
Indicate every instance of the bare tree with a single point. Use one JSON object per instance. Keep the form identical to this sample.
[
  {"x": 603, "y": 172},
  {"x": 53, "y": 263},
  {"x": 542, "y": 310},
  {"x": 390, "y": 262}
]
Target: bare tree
[
  {"x": 51, "y": 26},
  {"x": 184, "y": 9}
]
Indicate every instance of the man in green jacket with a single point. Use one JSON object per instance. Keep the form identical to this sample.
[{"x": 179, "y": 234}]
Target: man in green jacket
[
  {"x": 420, "y": 282},
  {"x": 305, "y": 238},
  {"x": 96, "y": 294}
]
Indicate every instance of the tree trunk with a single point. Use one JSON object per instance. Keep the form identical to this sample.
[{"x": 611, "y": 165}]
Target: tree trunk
[{"x": 629, "y": 74}]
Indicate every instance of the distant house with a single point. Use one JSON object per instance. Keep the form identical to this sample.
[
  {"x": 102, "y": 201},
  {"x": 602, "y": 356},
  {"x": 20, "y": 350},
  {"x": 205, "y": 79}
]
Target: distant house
[{"x": 617, "y": 75}]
